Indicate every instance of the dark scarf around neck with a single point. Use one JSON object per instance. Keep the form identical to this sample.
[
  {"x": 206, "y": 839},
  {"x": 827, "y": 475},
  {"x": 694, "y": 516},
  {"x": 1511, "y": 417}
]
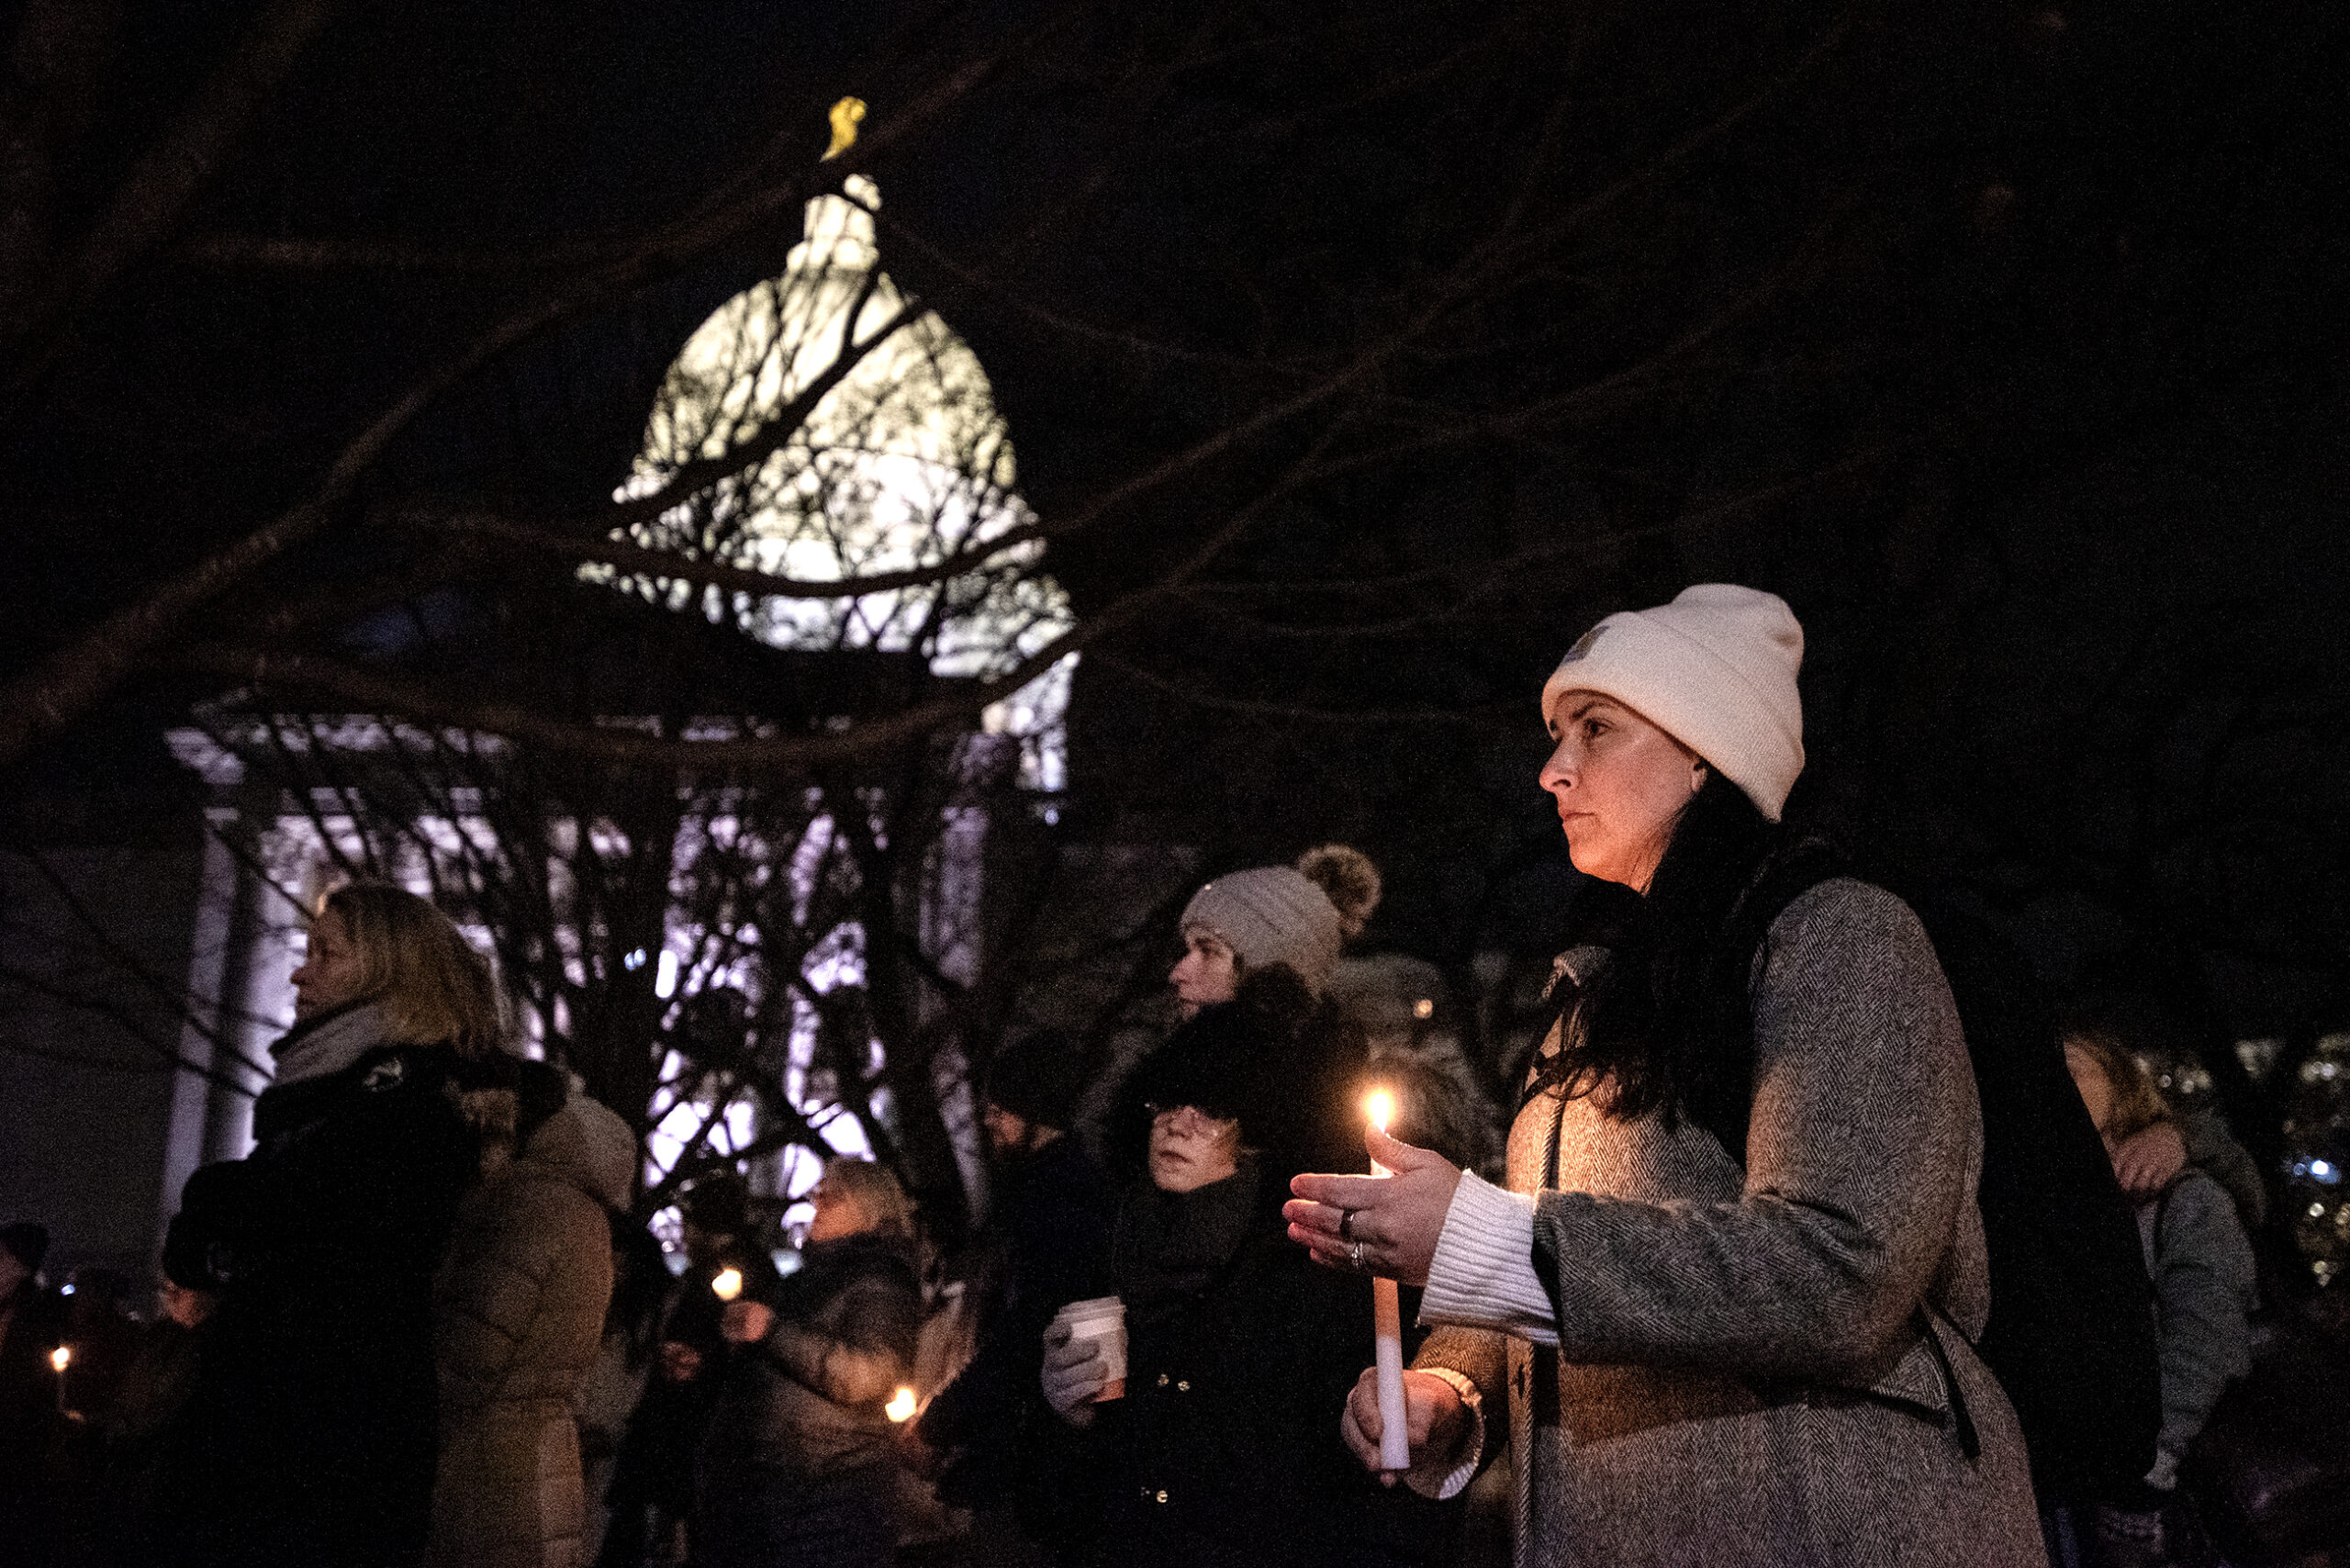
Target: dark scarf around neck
[{"x": 1168, "y": 1246}]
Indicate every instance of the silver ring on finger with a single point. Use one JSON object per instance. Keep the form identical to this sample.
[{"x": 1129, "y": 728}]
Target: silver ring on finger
[{"x": 1354, "y": 1256}]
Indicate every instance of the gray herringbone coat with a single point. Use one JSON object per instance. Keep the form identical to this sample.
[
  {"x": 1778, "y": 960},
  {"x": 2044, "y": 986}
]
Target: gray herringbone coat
[{"x": 1742, "y": 1377}]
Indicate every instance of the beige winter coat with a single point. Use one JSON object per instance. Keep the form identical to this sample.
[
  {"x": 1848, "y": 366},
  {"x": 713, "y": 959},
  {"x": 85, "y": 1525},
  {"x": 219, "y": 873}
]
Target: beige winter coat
[
  {"x": 517, "y": 1319},
  {"x": 1743, "y": 1374}
]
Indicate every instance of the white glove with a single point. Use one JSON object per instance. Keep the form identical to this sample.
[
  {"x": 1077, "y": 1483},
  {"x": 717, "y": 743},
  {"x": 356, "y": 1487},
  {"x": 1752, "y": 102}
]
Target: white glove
[
  {"x": 1075, "y": 1370},
  {"x": 2164, "y": 1477}
]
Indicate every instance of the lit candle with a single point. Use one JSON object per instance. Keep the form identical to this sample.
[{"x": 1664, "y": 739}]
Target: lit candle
[
  {"x": 1387, "y": 1327},
  {"x": 60, "y": 1358},
  {"x": 901, "y": 1405},
  {"x": 727, "y": 1283}
]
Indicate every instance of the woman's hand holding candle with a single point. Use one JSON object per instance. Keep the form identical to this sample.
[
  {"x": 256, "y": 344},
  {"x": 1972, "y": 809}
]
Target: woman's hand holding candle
[
  {"x": 745, "y": 1322},
  {"x": 1396, "y": 1218},
  {"x": 1433, "y": 1419}
]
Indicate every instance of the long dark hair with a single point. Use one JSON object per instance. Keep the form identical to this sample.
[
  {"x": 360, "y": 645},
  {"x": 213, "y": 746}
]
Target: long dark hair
[{"x": 1667, "y": 1026}]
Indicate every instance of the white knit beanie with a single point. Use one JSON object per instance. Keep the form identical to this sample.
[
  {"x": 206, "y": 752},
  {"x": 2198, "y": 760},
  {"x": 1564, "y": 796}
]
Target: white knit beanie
[
  {"x": 1274, "y": 915},
  {"x": 1715, "y": 669}
]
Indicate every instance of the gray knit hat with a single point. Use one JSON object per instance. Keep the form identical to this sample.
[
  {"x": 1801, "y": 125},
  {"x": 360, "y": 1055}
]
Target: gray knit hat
[{"x": 1273, "y": 914}]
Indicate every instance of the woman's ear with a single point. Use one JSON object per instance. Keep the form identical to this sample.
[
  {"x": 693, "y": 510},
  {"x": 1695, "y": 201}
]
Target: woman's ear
[{"x": 1697, "y": 775}]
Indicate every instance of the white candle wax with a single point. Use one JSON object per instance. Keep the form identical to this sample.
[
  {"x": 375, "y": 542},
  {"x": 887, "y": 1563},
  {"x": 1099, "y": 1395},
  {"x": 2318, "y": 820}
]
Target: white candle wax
[{"x": 1387, "y": 1328}]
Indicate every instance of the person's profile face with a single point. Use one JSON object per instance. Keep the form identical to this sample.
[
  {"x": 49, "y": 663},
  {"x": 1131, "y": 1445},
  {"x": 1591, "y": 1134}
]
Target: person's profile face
[
  {"x": 329, "y": 974},
  {"x": 1621, "y": 783},
  {"x": 183, "y": 1306},
  {"x": 1208, "y": 972},
  {"x": 1007, "y": 1132},
  {"x": 12, "y": 1272},
  {"x": 838, "y": 1213},
  {"x": 2097, "y": 1093}
]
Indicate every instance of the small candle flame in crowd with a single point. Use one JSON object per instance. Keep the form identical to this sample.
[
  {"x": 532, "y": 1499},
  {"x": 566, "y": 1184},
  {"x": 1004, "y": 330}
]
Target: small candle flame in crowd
[
  {"x": 727, "y": 1283},
  {"x": 61, "y": 1358},
  {"x": 901, "y": 1405},
  {"x": 1379, "y": 1107}
]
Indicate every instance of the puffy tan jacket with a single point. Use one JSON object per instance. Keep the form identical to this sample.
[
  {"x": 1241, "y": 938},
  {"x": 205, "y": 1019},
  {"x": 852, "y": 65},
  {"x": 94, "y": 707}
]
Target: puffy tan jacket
[{"x": 518, "y": 1320}]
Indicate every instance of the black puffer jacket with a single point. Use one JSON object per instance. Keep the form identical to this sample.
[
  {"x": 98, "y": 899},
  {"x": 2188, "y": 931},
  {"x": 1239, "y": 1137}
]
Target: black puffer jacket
[
  {"x": 799, "y": 1462},
  {"x": 308, "y": 1436}
]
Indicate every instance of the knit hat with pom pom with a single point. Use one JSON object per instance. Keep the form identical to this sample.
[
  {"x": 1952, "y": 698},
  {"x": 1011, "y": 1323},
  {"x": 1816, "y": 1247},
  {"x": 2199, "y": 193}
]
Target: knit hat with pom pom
[
  {"x": 1348, "y": 879},
  {"x": 1271, "y": 914}
]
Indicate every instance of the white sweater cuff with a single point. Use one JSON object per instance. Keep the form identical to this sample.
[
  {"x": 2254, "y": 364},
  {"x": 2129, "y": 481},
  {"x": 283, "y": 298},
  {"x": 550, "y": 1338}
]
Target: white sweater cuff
[
  {"x": 1483, "y": 1275},
  {"x": 1437, "y": 1477}
]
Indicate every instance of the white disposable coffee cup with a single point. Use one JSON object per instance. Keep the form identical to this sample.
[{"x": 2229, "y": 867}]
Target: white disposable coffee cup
[{"x": 1102, "y": 1319}]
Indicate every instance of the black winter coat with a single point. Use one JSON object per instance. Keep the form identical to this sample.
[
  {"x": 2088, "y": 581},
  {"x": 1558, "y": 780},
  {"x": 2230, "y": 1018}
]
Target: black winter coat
[
  {"x": 308, "y": 1436},
  {"x": 32, "y": 1324},
  {"x": 1225, "y": 1453},
  {"x": 1053, "y": 1214}
]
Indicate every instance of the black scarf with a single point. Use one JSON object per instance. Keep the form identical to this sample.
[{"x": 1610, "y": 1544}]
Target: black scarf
[
  {"x": 1168, "y": 1246},
  {"x": 1683, "y": 1046}
]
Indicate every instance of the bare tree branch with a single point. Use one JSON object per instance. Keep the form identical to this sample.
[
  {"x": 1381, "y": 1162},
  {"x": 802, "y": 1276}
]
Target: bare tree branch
[
  {"x": 263, "y": 253},
  {"x": 788, "y": 755},
  {"x": 163, "y": 181},
  {"x": 638, "y": 560},
  {"x": 1199, "y": 697},
  {"x": 71, "y": 680},
  {"x": 174, "y": 997},
  {"x": 1489, "y": 579},
  {"x": 776, "y": 428},
  {"x": 168, "y": 1057}
]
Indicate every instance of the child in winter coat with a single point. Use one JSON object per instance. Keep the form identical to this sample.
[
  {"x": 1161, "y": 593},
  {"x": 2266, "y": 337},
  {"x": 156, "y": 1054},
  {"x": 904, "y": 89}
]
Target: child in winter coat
[{"x": 2203, "y": 1273}]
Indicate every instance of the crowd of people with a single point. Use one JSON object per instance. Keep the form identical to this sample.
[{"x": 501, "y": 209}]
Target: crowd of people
[{"x": 1786, "y": 1261}]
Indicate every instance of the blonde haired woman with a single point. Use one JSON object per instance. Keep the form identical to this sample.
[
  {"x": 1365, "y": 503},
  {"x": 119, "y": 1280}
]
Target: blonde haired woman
[
  {"x": 381, "y": 947},
  {"x": 800, "y": 1463},
  {"x": 309, "y": 1437}
]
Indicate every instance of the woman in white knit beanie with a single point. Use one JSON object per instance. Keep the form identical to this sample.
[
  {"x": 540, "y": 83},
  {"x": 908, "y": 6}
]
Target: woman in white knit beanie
[{"x": 1727, "y": 1299}]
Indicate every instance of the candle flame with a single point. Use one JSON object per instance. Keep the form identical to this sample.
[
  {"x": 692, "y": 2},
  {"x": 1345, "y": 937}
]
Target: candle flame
[
  {"x": 901, "y": 1406},
  {"x": 727, "y": 1283},
  {"x": 1379, "y": 1107},
  {"x": 61, "y": 1357}
]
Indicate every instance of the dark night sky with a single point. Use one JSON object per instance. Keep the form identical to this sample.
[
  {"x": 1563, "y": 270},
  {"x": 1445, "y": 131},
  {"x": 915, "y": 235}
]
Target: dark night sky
[{"x": 2053, "y": 397}]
